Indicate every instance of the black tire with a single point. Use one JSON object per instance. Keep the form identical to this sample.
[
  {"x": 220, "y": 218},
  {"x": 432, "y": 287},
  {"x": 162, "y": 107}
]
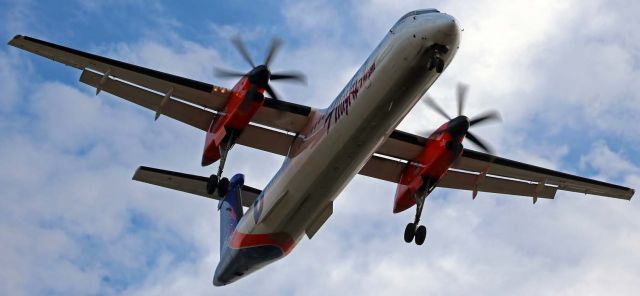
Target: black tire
[
  {"x": 409, "y": 232},
  {"x": 212, "y": 184},
  {"x": 439, "y": 65},
  {"x": 421, "y": 235},
  {"x": 431, "y": 64},
  {"x": 223, "y": 187}
]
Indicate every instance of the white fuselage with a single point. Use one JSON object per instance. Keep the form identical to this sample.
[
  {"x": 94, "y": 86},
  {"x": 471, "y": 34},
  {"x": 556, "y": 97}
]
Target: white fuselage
[{"x": 339, "y": 140}]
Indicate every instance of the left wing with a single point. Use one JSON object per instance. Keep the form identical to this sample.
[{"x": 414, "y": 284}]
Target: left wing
[
  {"x": 192, "y": 91},
  {"x": 481, "y": 172},
  {"x": 189, "y": 101}
]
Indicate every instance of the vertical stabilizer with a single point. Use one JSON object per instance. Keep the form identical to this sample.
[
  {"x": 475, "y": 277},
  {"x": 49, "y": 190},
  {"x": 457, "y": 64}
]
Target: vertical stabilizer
[{"x": 230, "y": 211}]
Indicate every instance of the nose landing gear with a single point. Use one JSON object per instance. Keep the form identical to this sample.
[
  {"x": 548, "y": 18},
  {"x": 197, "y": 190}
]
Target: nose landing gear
[{"x": 435, "y": 61}]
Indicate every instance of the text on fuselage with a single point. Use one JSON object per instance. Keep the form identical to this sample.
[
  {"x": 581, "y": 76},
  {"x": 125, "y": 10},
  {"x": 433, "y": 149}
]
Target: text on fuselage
[{"x": 341, "y": 106}]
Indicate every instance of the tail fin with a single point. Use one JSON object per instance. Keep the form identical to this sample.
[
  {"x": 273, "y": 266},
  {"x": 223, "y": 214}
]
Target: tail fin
[{"x": 230, "y": 211}]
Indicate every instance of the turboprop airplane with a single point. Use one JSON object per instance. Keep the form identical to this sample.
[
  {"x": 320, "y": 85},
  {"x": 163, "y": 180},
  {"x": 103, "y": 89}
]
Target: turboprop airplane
[{"x": 323, "y": 148}]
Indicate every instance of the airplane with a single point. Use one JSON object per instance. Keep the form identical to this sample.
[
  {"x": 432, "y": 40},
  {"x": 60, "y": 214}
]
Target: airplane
[{"x": 325, "y": 148}]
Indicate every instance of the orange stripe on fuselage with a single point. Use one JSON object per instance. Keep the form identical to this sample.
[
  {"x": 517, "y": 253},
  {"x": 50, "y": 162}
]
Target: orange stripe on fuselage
[{"x": 281, "y": 240}]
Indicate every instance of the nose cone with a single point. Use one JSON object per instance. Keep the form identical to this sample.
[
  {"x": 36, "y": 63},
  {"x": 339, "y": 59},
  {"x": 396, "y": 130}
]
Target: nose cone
[{"x": 444, "y": 29}]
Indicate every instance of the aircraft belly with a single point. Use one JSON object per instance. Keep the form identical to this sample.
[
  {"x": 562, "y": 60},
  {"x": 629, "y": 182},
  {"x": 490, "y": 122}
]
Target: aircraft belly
[
  {"x": 350, "y": 153},
  {"x": 314, "y": 177},
  {"x": 317, "y": 175}
]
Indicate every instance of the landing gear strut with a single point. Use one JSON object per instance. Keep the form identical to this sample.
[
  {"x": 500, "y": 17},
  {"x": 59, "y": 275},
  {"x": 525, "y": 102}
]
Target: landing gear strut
[
  {"x": 215, "y": 181},
  {"x": 435, "y": 62},
  {"x": 414, "y": 230}
]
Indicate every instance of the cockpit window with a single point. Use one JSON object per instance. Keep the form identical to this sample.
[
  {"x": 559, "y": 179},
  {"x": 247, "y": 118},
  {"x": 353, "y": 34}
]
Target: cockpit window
[
  {"x": 413, "y": 13},
  {"x": 417, "y": 12}
]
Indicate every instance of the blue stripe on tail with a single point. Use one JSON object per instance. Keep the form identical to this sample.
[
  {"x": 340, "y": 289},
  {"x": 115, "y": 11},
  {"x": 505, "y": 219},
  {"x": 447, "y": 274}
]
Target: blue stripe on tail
[
  {"x": 230, "y": 211},
  {"x": 236, "y": 263}
]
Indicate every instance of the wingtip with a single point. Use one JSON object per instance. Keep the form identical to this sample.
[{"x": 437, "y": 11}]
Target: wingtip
[
  {"x": 12, "y": 41},
  {"x": 136, "y": 174}
]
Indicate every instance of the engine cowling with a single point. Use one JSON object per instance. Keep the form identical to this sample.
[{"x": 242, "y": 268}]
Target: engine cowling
[
  {"x": 244, "y": 102},
  {"x": 422, "y": 174}
]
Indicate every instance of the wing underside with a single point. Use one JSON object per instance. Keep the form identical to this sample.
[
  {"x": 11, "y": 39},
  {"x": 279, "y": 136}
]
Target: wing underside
[
  {"x": 189, "y": 101},
  {"x": 481, "y": 172}
]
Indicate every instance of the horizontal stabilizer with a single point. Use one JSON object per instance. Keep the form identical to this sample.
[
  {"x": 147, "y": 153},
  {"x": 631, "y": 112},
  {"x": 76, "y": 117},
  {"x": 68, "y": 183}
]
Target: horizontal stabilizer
[{"x": 188, "y": 183}]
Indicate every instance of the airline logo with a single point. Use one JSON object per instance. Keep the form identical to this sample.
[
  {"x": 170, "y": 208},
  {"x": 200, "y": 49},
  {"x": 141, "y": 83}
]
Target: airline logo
[{"x": 341, "y": 107}]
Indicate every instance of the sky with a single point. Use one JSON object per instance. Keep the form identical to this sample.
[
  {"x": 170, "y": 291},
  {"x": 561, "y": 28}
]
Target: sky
[{"x": 565, "y": 75}]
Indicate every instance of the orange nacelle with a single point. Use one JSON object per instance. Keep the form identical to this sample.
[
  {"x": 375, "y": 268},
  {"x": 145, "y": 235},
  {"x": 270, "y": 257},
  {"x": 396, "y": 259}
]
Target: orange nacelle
[
  {"x": 241, "y": 105},
  {"x": 439, "y": 153}
]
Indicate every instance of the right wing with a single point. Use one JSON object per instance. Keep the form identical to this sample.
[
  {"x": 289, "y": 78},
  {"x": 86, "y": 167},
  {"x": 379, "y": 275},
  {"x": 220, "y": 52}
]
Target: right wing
[
  {"x": 481, "y": 172},
  {"x": 189, "y": 101},
  {"x": 188, "y": 183}
]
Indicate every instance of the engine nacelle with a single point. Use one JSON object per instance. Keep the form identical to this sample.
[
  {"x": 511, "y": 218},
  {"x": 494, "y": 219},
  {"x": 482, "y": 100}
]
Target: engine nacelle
[
  {"x": 243, "y": 103},
  {"x": 422, "y": 174}
]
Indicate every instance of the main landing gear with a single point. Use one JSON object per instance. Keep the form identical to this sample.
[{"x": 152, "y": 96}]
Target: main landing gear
[
  {"x": 414, "y": 230},
  {"x": 221, "y": 185},
  {"x": 215, "y": 182}
]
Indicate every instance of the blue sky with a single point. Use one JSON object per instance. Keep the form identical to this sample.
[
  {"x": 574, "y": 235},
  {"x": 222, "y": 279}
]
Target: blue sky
[{"x": 565, "y": 77}]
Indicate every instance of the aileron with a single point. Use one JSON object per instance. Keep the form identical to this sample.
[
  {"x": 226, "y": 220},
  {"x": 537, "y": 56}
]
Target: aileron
[{"x": 196, "y": 92}]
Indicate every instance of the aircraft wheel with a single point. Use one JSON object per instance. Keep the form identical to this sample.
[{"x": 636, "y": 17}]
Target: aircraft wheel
[
  {"x": 421, "y": 235},
  {"x": 409, "y": 232},
  {"x": 212, "y": 184},
  {"x": 439, "y": 65},
  {"x": 223, "y": 187},
  {"x": 432, "y": 63}
]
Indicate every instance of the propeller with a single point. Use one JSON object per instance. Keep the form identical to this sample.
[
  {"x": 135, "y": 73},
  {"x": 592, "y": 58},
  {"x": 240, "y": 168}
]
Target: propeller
[
  {"x": 459, "y": 126},
  {"x": 260, "y": 75}
]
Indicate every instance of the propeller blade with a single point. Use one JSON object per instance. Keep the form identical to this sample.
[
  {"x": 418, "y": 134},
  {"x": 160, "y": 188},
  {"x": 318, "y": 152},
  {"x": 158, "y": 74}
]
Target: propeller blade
[
  {"x": 276, "y": 43},
  {"x": 430, "y": 103},
  {"x": 478, "y": 142},
  {"x": 295, "y": 76},
  {"x": 491, "y": 115},
  {"x": 223, "y": 73},
  {"x": 462, "y": 95},
  {"x": 237, "y": 42},
  {"x": 272, "y": 93}
]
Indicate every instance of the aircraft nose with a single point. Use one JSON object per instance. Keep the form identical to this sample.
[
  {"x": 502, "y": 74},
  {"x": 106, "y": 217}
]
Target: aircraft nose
[{"x": 444, "y": 29}]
